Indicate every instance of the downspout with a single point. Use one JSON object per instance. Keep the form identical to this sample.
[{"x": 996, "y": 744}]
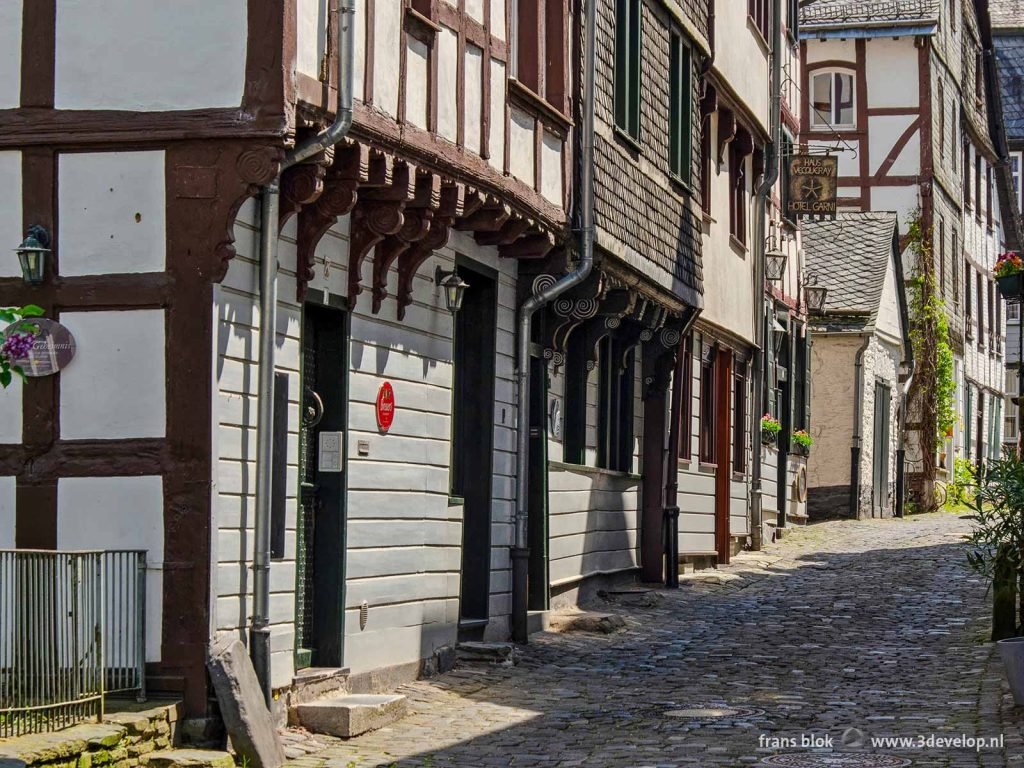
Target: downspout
[
  {"x": 259, "y": 633},
  {"x": 858, "y": 415},
  {"x": 520, "y": 550},
  {"x": 771, "y": 175}
]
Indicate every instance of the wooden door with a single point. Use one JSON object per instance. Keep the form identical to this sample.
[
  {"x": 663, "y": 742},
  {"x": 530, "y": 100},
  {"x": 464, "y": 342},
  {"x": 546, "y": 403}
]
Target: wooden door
[
  {"x": 880, "y": 485},
  {"x": 723, "y": 453}
]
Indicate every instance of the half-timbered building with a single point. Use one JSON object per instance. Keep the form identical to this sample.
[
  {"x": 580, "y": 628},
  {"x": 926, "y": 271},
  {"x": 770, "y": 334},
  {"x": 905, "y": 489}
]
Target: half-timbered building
[
  {"x": 899, "y": 91},
  {"x": 390, "y": 520}
]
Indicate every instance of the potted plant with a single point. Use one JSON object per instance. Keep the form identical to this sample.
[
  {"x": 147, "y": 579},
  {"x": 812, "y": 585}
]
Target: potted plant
[
  {"x": 802, "y": 442},
  {"x": 997, "y": 551},
  {"x": 16, "y": 340},
  {"x": 1009, "y": 275},
  {"x": 770, "y": 428}
]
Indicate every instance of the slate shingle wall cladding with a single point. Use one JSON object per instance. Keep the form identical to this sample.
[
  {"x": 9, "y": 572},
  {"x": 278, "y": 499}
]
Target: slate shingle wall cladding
[{"x": 648, "y": 219}]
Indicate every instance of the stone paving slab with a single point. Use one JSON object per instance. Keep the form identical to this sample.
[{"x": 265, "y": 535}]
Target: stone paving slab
[{"x": 842, "y": 631}]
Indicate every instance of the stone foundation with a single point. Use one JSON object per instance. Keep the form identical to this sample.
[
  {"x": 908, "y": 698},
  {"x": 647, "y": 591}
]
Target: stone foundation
[{"x": 127, "y": 735}]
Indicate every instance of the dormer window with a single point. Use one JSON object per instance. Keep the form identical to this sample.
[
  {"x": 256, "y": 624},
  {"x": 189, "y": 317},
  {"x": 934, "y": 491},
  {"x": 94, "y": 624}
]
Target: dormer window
[{"x": 832, "y": 101}]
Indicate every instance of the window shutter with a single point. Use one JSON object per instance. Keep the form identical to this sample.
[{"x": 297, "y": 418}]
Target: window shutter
[
  {"x": 807, "y": 378},
  {"x": 769, "y": 365}
]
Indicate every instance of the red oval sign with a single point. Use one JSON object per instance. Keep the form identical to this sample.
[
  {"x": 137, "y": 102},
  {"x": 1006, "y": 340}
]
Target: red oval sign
[{"x": 385, "y": 406}]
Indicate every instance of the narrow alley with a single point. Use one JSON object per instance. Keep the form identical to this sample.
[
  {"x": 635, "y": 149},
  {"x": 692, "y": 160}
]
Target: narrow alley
[{"x": 854, "y": 631}]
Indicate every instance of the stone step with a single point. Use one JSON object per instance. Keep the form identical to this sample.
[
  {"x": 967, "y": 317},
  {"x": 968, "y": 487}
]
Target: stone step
[
  {"x": 488, "y": 653},
  {"x": 587, "y": 621},
  {"x": 189, "y": 758},
  {"x": 349, "y": 716}
]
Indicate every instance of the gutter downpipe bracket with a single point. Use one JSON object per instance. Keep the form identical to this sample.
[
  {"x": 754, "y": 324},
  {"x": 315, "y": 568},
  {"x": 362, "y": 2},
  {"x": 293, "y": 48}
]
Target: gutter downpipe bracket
[{"x": 259, "y": 632}]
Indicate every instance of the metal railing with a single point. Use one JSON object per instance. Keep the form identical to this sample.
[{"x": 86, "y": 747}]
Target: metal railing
[{"x": 72, "y": 629}]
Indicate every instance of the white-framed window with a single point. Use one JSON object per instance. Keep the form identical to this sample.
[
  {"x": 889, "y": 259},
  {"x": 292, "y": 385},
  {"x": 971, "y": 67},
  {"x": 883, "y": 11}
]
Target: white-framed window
[
  {"x": 1012, "y": 310},
  {"x": 833, "y": 104},
  {"x": 1015, "y": 164}
]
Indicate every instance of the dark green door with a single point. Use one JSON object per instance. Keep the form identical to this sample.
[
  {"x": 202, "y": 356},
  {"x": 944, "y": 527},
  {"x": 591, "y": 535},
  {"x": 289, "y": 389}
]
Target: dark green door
[
  {"x": 880, "y": 486},
  {"x": 320, "y": 545}
]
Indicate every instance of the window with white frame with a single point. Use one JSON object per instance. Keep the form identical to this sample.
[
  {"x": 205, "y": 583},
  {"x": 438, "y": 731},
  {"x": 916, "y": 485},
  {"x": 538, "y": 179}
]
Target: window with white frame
[
  {"x": 1012, "y": 310},
  {"x": 832, "y": 100},
  {"x": 1015, "y": 163}
]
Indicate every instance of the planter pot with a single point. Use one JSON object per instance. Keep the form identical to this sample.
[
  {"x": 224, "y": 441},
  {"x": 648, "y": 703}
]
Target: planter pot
[
  {"x": 768, "y": 438},
  {"x": 801, "y": 450},
  {"x": 1011, "y": 286},
  {"x": 1012, "y": 651}
]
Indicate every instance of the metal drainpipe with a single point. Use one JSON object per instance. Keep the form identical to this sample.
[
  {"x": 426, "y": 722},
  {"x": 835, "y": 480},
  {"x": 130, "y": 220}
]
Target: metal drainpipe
[
  {"x": 771, "y": 175},
  {"x": 259, "y": 633},
  {"x": 520, "y": 550},
  {"x": 858, "y": 414}
]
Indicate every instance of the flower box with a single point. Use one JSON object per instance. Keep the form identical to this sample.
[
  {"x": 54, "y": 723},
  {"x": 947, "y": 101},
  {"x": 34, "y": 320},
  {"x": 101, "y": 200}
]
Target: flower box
[
  {"x": 768, "y": 437},
  {"x": 1011, "y": 286},
  {"x": 801, "y": 450}
]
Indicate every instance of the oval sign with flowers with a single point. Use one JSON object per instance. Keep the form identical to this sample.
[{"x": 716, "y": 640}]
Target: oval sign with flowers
[
  {"x": 1009, "y": 275},
  {"x": 32, "y": 345}
]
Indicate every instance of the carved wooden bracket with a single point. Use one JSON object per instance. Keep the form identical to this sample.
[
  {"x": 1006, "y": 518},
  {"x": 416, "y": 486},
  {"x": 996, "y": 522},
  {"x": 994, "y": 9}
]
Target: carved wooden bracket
[
  {"x": 338, "y": 199},
  {"x": 488, "y": 217},
  {"x": 744, "y": 142},
  {"x": 726, "y": 131},
  {"x": 535, "y": 246},
  {"x": 300, "y": 185},
  {"x": 659, "y": 357},
  {"x": 372, "y": 221},
  {"x": 708, "y": 102},
  {"x": 414, "y": 228},
  {"x": 437, "y": 237}
]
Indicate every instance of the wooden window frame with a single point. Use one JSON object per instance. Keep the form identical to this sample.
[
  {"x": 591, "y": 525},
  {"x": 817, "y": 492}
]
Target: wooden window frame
[
  {"x": 615, "y": 405},
  {"x": 955, "y": 263},
  {"x": 942, "y": 120},
  {"x": 739, "y": 416},
  {"x": 539, "y": 55},
  {"x": 628, "y": 63},
  {"x": 979, "y": 285},
  {"x": 737, "y": 192},
  {"x": 680, "y": 160},
  {"x": 831, "y": 123},
  {"x": 967, "y": 175},
  {"x": 686, "y": 404},
  {"x": 759, "y": 16},
  {"x": 988, "y": 195},
  {"x": 977, "y": 186},
  {"x": 708, "y": 404},
  {"x": 706, "y": 152},
  {"x": 942, "y": 256},
  {"x": 968, "y": 300}
]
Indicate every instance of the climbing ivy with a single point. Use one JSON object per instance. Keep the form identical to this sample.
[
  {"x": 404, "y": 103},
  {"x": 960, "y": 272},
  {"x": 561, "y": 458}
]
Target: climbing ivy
[{"x": 934, "y": 383}]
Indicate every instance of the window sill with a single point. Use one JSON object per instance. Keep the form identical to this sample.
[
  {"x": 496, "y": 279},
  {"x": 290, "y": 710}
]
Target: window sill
[
  {"x": 708, "y": 218},
  {"x": 738, "y": 476},
  {"x": 525, "y": 97},
  {"x": 832, "y": 128},
  {"x": 586, "y": 469},
  {"x": 632, "y": 144},
  {"x": 684, "y": 463},
  {"x": 705, "y": 467},
  {"x": 681, "y": 186},
  {"x": 758, "y": 35},
  {"x": 421, "y": 27},
  {"x": 456, "y": 501},
  {"x": 738, "y": 245}
]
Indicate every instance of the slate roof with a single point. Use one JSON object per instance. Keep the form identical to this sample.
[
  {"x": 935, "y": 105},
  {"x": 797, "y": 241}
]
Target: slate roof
[
  {"x": 855, "y": 12},
  {"x": 1006, "y": 13},
  {"x": 849, "y": 256},
  {"x": 1010, "y": 66}
]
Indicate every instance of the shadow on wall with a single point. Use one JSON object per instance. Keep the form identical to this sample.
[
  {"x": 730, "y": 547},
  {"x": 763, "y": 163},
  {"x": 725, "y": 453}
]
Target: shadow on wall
[{"x": 606, "y": 700}]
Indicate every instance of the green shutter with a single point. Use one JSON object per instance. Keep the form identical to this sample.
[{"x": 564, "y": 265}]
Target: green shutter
[
  {"x": 627, "y": 66},
  {"x": 769, "y": 365},
  {"x": 968, "y": 422}
]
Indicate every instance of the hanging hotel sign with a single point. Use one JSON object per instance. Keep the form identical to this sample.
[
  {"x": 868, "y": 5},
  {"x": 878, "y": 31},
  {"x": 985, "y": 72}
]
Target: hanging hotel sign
[
  {"x": 812, "y": 185},
  {"x": 385, "y": 406}
]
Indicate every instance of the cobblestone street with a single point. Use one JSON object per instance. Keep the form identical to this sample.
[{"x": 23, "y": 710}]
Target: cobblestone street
[{"x": 877, "y": 626}]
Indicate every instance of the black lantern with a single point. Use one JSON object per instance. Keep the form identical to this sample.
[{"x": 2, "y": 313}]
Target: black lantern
[
  {"x": 454, "y": 288},
  {"x": 774, "y": 263},
  {"x": 32, "y": 254},
  {"x": 815, "y": 295}
]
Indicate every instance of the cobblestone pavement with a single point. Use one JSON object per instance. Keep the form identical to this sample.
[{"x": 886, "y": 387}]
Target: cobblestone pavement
[{"x": 877, "y": 626}]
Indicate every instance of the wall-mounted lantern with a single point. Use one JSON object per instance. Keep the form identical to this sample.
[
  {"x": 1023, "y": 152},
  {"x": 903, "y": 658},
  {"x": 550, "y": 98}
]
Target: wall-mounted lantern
[
  {"x": 33, "y": 253},
  {"x": 815, "y": 294},
  {"x": 454, "y": 288},
  {"x": 774, "y": 261}
]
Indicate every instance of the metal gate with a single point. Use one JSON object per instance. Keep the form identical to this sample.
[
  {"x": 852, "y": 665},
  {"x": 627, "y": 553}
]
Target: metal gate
[{"x": 72, "y": 628}]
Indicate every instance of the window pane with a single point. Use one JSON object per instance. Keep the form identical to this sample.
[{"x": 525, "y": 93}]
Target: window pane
[
  {"x": 675, "y": 106},
  {"x": 821, "y": 104},
  {"x": 844, "y": 100}
]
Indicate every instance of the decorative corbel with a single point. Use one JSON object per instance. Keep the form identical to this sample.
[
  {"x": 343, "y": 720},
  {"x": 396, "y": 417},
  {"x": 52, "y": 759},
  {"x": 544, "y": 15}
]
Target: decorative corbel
[
  {"x": 726, "y": 131},
  {"x": 659, "y": 357},
  {"x": 337, "y": 199},
  {"x": 436, "y": 237},
  {"x": 488, "y": 217},
  {"x": 508, "y": 233},
  {"x": 301, "y": 185},
  {"x": 535, "y": 246},
  {"x": 379, "y": 213}
]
